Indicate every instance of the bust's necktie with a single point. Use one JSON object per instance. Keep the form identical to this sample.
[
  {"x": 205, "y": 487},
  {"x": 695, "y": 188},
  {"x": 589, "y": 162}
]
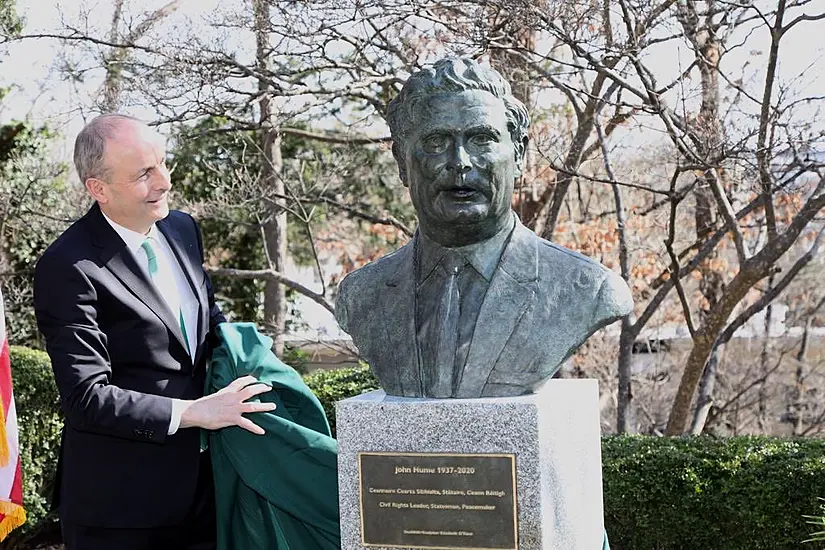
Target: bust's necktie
[
  {"x": 440, "y": 379},
  {"x": 152, "y": 267}
]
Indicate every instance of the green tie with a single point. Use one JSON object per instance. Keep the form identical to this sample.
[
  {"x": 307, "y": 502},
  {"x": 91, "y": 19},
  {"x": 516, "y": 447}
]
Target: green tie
[
  {"x": 152, "y": 264},
  {"x": 151, "y": 257}
]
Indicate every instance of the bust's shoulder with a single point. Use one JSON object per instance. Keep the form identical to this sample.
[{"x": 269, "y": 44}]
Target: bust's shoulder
[
  {"x": 583, "y": 278},
  {"x": 553, "y": 257},
  {"x": 565, "y": 255},
  {"x": 383, "y": 269},
  {"x": 359, "y": 290}
]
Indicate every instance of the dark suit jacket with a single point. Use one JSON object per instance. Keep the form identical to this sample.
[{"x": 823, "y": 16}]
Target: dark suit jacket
[
  {"x": 118, "y": 357},
  {"x": 543, "y": 302}
]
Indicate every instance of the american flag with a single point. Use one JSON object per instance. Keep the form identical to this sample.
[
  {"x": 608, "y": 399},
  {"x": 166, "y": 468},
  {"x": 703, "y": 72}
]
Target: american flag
[{"x": 12, "y": 514}]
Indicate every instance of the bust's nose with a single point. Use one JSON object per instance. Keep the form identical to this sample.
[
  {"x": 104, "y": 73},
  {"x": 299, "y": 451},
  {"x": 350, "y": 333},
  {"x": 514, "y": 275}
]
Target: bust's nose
[{"x": 459, "y": 160}]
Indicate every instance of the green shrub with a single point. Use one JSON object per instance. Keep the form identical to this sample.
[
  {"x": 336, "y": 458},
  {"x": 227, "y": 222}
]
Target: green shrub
[
  {"x": 333, "y": 385},
  {"x": 704, "y": 493},
  {"x": 39, "y": 420}
]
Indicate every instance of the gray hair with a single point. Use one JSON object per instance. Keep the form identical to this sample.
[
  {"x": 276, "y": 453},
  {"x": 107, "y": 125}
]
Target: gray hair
[
  {"x": 90, "y": 144},
  {"x": 453, "y": 75}
]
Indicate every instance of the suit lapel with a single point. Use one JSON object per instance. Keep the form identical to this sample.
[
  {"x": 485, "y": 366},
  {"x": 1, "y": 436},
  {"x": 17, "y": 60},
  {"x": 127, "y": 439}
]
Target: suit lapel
[
  {"x": 175, "y": 241},
  {"x": 397, "y": 303},
  {"x": 510, "y": 293},
  {"x": 117, "y": 259}
]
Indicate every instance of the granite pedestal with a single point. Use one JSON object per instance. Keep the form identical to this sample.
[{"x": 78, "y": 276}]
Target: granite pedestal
[{"x": 462, "y": 448}]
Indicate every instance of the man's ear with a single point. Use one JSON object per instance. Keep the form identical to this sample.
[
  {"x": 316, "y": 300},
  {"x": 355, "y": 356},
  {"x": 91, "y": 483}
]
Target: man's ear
[
  {"x": 521, "y": 151},
  {"x": 398, "y": 155},
  {"x": 97, "y": 189}
]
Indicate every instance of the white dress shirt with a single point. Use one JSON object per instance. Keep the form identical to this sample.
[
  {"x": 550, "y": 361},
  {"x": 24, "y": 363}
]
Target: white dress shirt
[{"x": 171, "y": 281}]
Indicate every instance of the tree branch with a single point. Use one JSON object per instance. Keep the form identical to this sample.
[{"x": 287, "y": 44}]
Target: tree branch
[
  {"x": 675, "y": 269},
  {"x": 391, "y": 220},
  {"x": 270, "y": 275},
  {"x": 772, "y": 293},
  {"x": 727, "y": 212},
  {"x": 332, "y": 138}
]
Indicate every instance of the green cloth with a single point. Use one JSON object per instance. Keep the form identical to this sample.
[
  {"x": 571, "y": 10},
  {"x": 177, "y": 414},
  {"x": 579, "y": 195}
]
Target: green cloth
[{"x": 277, "y": 491}]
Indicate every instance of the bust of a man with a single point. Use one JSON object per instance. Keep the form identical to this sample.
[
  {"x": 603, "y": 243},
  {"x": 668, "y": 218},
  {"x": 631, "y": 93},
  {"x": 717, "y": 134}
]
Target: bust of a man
[{"x": 475, "y": 305}]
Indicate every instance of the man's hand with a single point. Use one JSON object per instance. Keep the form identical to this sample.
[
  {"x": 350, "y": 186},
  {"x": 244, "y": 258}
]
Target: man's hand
[{"x": 226, "y": 407}]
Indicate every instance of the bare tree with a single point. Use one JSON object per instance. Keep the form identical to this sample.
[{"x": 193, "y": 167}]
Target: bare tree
[
  {"x": 712, "y": 208},
  {"x": 115, "y": 58}
]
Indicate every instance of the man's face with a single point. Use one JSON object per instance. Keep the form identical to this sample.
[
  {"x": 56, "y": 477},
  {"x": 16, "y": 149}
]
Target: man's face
[
  {"x": 136, "y": 187},
  {"x": 460, "y": 167}
]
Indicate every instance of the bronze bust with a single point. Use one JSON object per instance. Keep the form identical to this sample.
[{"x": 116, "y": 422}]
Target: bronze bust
[{"x": 475, "y": 305}]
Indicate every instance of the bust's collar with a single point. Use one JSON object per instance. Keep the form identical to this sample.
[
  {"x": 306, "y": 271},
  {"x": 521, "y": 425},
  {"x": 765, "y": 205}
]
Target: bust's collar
[{"x": 483, "y": 256}]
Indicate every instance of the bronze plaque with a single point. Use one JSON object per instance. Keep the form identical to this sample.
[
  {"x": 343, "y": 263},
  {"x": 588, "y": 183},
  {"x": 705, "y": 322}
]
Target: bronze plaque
[{"x": 436, "y": 500}]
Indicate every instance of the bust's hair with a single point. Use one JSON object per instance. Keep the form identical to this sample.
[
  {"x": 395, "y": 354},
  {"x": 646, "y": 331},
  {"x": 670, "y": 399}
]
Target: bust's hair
[
  {"x": 453, "y": 75},
  {"x": 90, "y": 144}
]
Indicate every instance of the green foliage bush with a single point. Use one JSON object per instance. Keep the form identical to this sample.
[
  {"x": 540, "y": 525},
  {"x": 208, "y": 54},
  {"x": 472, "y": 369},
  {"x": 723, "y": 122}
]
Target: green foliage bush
[
  {"x": 705, "y": 493},
  {"x": 39, "y": 420},
  {"x": 660, "y": 493},
  {"x": 333, "y": 385}
]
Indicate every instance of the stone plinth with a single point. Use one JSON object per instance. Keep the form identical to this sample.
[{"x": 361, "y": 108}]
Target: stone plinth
[{"x": 553, "y": 434}]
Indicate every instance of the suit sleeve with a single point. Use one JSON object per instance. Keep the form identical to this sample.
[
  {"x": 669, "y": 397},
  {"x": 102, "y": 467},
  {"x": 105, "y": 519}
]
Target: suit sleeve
[{"x": 65, "y": 303}]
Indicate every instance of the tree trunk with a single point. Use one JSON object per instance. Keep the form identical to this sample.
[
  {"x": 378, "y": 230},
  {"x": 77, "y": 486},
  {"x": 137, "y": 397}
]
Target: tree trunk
[
  {"x": 553, "y": 198},
  {"x": 116, "y": 57},
  {"x": 797, "y": 407},
  {"x": 624, "y": 410},
  {"x": 764, "y": 358},
  {"x": 274, "y": 227},
  {"x": 112, "y": 63},
  {"x": 753, "y": 270},
  {"x": 706, "y": 386},
  {"x": 624, "y": 414},
  {"x": 709, "y": 129}
]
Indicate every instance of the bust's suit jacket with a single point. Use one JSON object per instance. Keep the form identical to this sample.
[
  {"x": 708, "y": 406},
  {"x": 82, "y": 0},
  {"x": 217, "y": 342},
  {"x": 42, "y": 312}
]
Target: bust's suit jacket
[
  {"x": 118, "y": 356},
  {"x": 543, "y": 302}
]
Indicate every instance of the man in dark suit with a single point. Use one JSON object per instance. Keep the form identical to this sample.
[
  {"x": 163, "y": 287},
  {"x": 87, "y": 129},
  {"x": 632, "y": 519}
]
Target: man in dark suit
[
  {"x": 127, "y": 312},
  {"x": 476, "y": 305}
]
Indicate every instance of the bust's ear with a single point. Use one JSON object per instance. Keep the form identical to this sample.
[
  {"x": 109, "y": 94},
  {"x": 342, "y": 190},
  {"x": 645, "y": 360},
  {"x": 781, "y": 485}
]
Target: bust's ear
[
  {"x": 398, "y": 154},
  {"x": 520, "y": 151}
]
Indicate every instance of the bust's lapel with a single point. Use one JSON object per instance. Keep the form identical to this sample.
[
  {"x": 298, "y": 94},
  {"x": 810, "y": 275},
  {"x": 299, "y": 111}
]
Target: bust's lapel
[
  {"x": 121, "y": 262},
  {"x": 397, "y": 305},
  {"x": 511, "y": 290}
]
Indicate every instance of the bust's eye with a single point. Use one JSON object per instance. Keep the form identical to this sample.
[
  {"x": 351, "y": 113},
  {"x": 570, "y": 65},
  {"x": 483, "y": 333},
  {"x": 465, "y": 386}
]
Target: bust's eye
[
  {"x": 483, "y": 139},
  {"x": 435, "y": 144}
]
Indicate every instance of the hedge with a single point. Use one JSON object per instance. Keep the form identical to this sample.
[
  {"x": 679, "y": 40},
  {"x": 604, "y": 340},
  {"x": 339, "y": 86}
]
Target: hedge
[
  {"x": 39, "y": 420},
  {"x": 705, "y": 493},
  {"x": 333, "y": 385},
  {"x": 660, "y": 493}
]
